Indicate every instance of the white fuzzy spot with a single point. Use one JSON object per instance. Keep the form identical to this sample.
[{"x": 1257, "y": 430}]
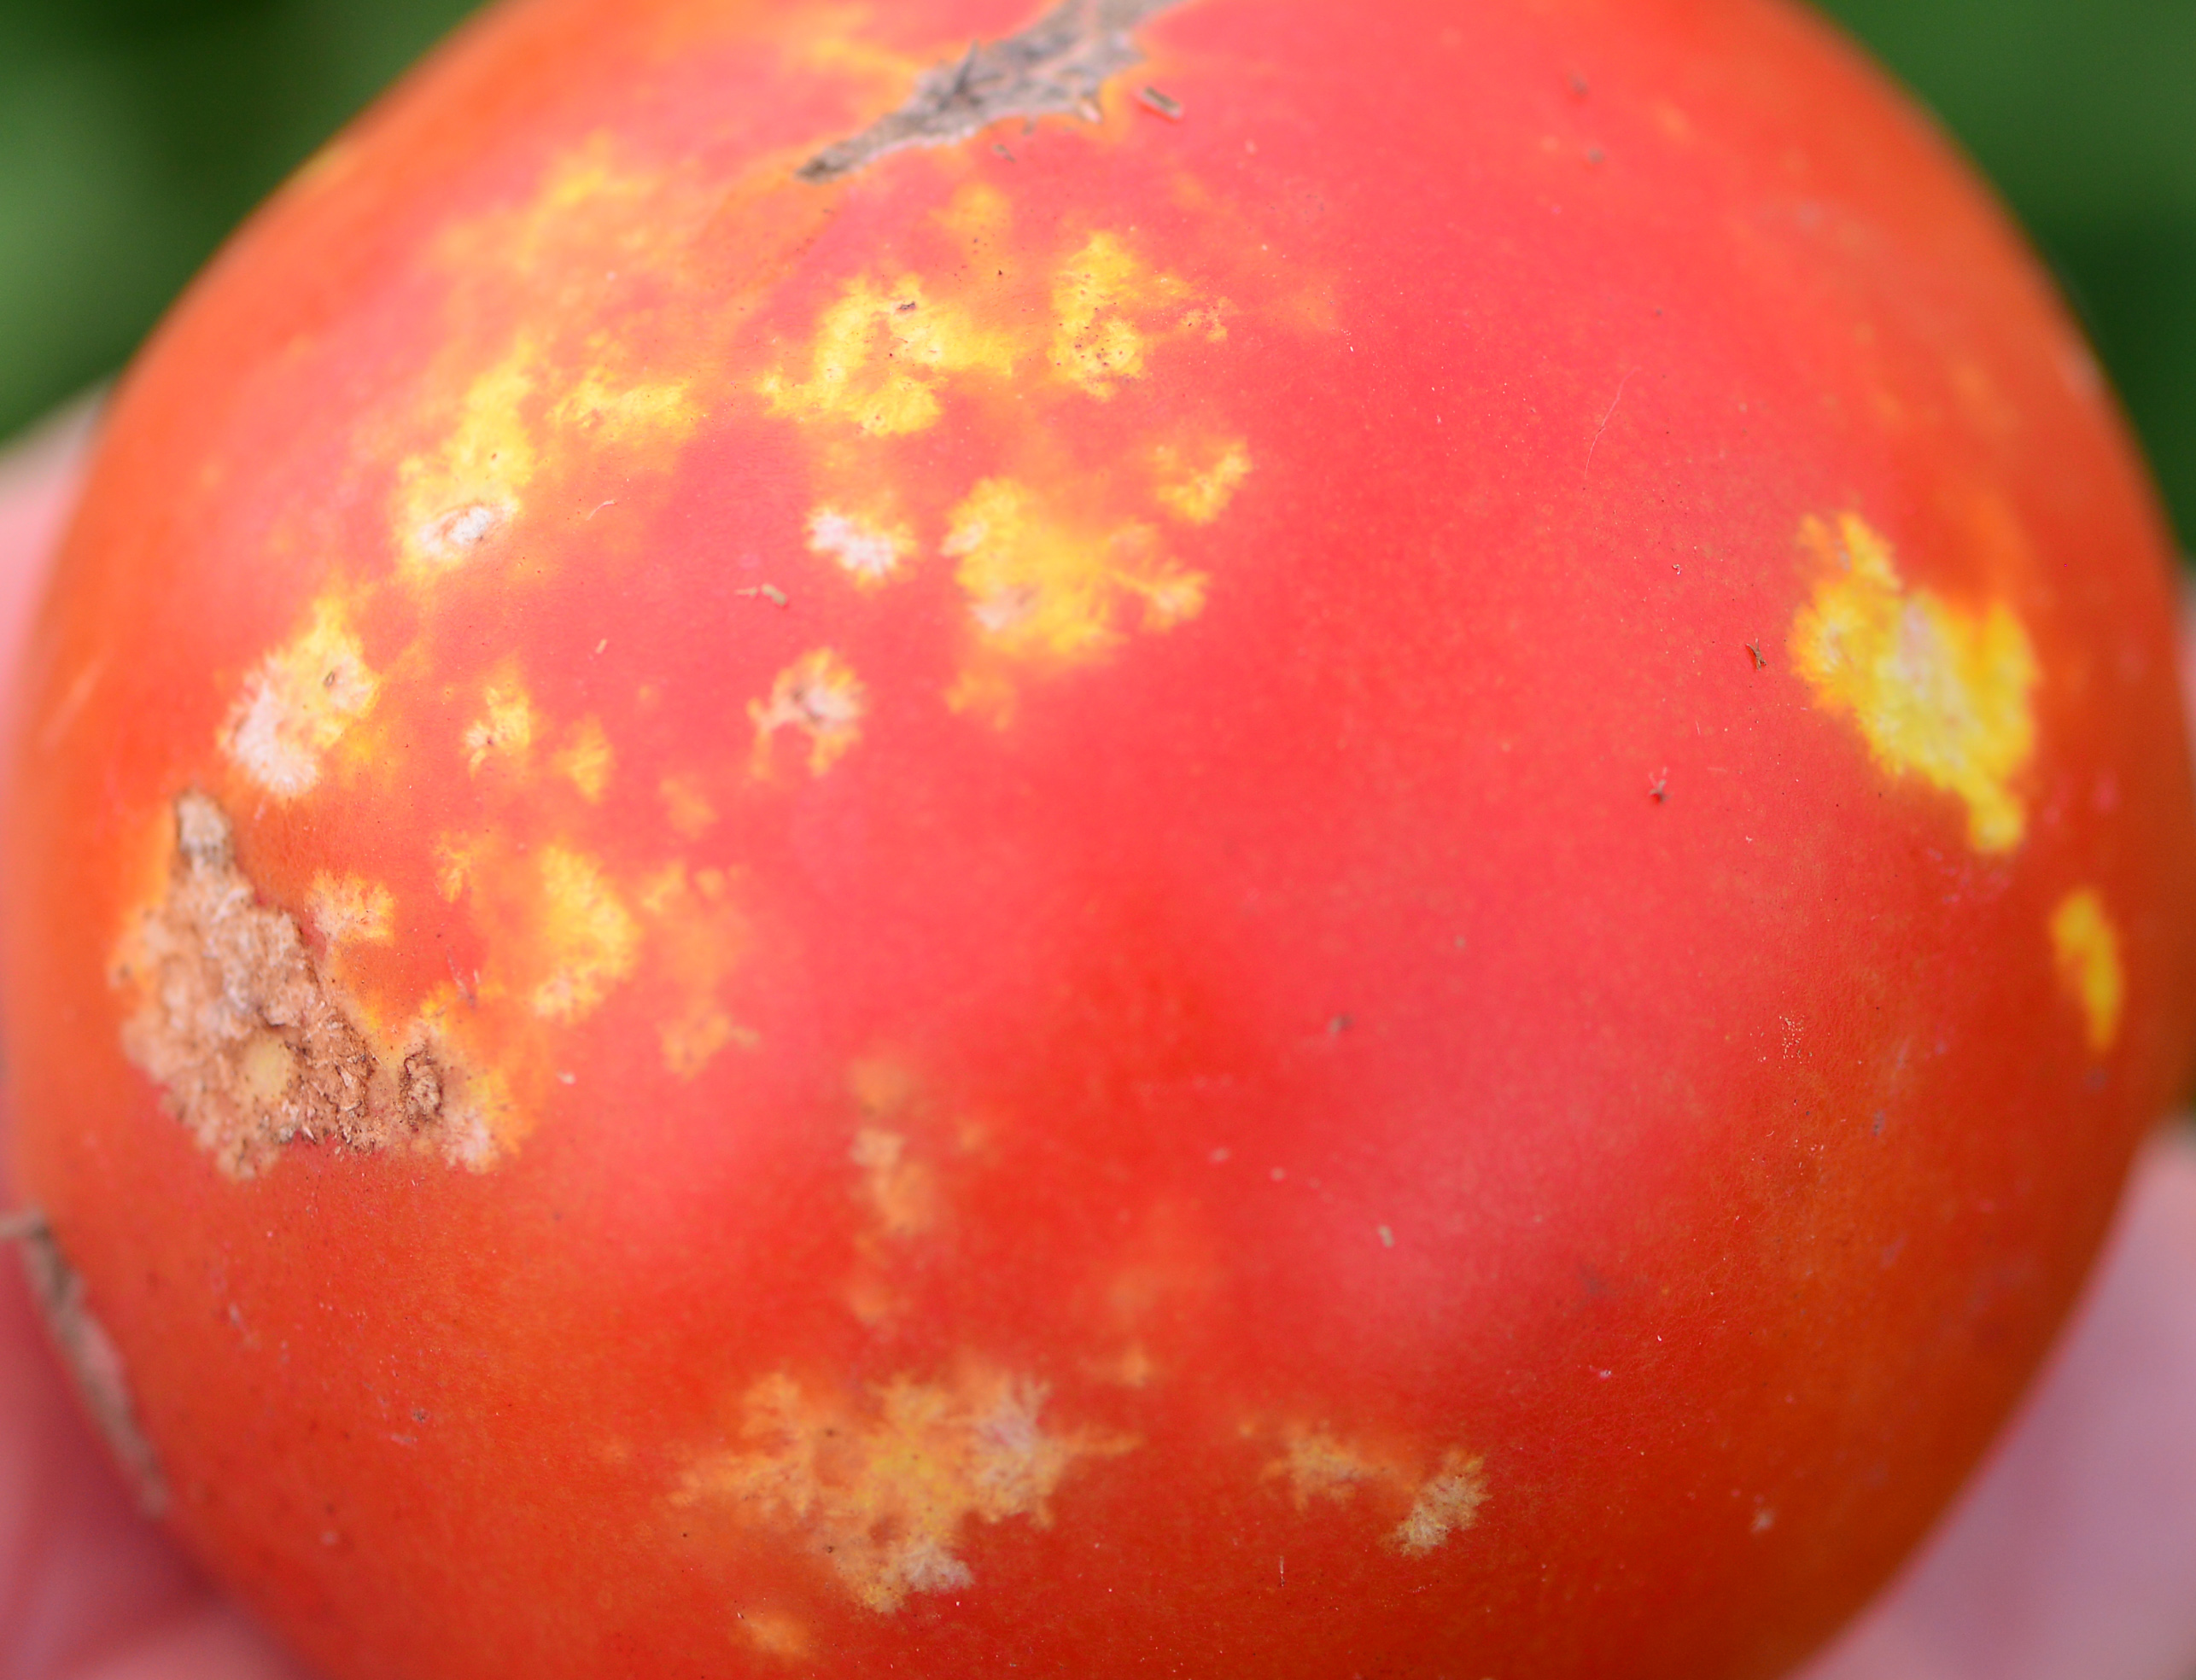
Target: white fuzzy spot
[{"x": 869, "y": 553}]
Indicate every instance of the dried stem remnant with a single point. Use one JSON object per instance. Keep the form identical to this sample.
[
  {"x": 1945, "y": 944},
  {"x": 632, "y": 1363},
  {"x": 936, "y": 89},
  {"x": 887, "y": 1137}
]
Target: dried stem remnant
[
  {"x": 245, "y": 1039},
  {"x": 93, "y": 1360},
  {"x": 1054, "y": 68}
]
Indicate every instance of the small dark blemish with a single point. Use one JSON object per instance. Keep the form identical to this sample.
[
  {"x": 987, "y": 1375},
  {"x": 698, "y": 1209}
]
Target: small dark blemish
[
  {"x": 1760, "y": 659},
  {"x": 1152, "y": 100}
]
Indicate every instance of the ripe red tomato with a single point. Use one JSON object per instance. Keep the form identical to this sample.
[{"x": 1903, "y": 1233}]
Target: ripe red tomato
[{"x": 1233, "y": 838}]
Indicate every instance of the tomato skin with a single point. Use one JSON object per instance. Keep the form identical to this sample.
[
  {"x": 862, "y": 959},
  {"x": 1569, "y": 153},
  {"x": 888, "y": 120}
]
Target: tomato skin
[{"x": 1273, "y": 1015}]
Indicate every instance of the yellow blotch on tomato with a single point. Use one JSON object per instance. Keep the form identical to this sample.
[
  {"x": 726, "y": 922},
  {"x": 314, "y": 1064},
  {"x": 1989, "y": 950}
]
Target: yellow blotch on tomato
[
  {"x": 586, "y": 759},
  {"x": 505, "y": 729},
  {"x": 1938, "y": 692},
  {"x": 1042, "y": 584},
  {"x": 458, "y": 495},
  {"x": 2085, "y": 947},
  {"x": 878, "y": 356},
  {"x": 582, "y": 941},
  {"x": 1196, "y": 485}
]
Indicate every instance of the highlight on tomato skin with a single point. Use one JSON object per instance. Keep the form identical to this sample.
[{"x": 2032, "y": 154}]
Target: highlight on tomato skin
[{"x": 1242, "y": 838}]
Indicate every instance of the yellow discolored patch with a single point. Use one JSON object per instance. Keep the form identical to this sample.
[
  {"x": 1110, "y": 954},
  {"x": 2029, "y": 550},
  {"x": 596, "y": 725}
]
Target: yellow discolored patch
[
  {"x": 299, "y": 703},
  {"x": 818, "y": 695},
  {"x": 1938, "y": 692},
  {"x": 505, "y": 729},
  {"x": 586, "y": 759},
  {"x": 453, "y": 499},
  {"x": 599, "y": 406},
  {"x": 880, "y": 355},
  {"x": 1040, "y": 585},
  {"x": 350, "y": 910},
  {"x": 867, "y": 550},
  {"x": 586, "y": 939},
  {"x": 1095, "y": 294},
  {"x": 2086, "y": 947},
  {"x": 1198, "y": 493},
  {"x": 880, "y": 1493}
]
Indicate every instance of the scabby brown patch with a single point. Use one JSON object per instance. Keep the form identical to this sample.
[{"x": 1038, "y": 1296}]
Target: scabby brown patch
[{"x": 251, "y": 1046}]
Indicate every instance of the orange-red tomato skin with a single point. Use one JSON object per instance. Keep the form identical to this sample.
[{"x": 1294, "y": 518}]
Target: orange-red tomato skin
[{"x": 1379, "y": 879}]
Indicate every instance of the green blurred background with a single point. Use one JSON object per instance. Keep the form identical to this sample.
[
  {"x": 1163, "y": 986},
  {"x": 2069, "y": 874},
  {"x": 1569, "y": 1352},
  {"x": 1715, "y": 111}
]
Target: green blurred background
[{"x": 134, "y": 132}]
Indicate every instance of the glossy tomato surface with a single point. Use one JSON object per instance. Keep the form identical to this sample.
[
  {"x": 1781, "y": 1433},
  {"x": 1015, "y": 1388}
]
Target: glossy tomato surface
[{"x": 1246, "y": 838}]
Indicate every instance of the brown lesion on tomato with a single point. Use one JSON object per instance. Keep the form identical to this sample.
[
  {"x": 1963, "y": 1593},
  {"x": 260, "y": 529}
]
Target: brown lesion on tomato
[
  {"x": 1436, "y": 1501},
  {"x": 252, "y": 1044},
  {"x": 880, "y": 1489}
]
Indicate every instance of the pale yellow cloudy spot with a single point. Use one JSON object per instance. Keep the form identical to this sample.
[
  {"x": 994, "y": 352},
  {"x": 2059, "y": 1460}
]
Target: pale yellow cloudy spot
[
  {"x": 1041, "y": 585},
  {"x": 690, "y": 1038},
  {"x": 456, "y": 856},
  {"x": 505, "y": 729},
  {"x": 869, "y": 550},
  {"x": 818, "y": 695},
  {"x": 881, "y": 356},
  {"x": 1196, "y": 485},
  {"x": 687, "y": 806},
  {"x": 351, "y": 910},
  {"x": 2086, "y": 947},
  {"x": 1938, "y": 692},
  {"x": 299, "y": 702},
  {"x": 610, "y": 413},
  {"x": 698, "y": 936},
  {"x": 976, "y": 211},
  {"x": 454, "y": 499},
  {"x": 985, "y": 694},
  {"x": 586, "y": 759},
  {"x": 879, "y": 1490},
  {"x": 775, "y": 1634},
  {"x": 587, "y": 942},
  {"x": 900, "y": 1190}
]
